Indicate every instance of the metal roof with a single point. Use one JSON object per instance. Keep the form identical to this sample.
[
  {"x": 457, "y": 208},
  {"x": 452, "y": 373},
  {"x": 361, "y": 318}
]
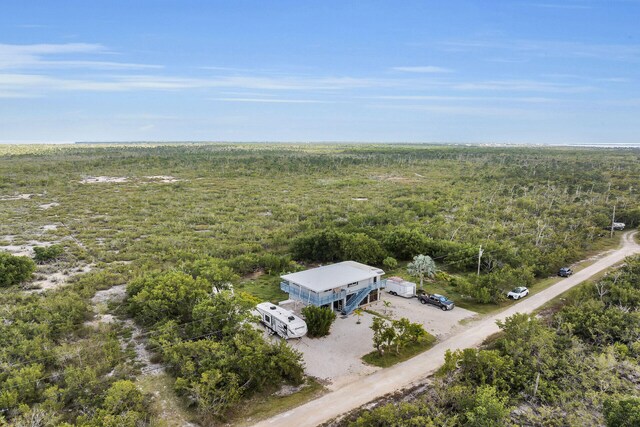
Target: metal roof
[{"x": 333, "y": 276}]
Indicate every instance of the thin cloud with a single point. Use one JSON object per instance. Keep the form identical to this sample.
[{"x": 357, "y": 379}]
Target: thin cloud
[
  {"x": 546, "y": 48},
  {"x": 423, "y": 69},
  {"x": 272, "y": 100},
  {"x": 521, "y": 86},
  {"x": 561, "y": 6},
  {"x": 34, "y": 56},
  {"x": 36, "y": 82},
  {"x": 531, "y": 99},
  {"x": 454, "y": 110}
]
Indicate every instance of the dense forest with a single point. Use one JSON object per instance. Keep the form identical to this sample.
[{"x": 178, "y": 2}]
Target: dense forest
[{"x": 173, "y": 227}]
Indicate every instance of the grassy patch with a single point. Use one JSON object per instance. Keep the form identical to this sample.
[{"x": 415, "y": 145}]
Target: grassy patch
[
  {"x": 265, "y": 406},
  {"x": 391, "y": 358},
  {"x": 265, "y": 288},
  {"x": 375, "y": 313},
  {"x": 165, "y": 404}
]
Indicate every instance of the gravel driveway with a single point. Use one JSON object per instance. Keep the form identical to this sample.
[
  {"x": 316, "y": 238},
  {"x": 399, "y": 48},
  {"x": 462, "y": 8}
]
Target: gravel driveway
[{"x": 336, "y": 358}]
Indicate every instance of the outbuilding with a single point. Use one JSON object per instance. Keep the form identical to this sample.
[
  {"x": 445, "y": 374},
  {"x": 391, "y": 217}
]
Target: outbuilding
[{"x": 343, "y": 286}]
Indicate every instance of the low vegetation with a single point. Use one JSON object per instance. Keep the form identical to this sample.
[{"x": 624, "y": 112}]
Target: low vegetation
[
  {"x": 233, "y": 218},
  {"x": 47, "y": 253}
]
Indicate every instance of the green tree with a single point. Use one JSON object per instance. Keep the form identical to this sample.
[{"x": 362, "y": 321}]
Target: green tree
[
  {"x": 624, "y": 412},
  {"x": 213, "y": 270},
  {"x": 173, "y": 295},
  {"x": 318, "y": 319},
  {"x": 390, "y": 263}
]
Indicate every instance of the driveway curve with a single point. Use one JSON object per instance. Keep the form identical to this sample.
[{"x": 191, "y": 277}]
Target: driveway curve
[{"x": 417, "y": 369}]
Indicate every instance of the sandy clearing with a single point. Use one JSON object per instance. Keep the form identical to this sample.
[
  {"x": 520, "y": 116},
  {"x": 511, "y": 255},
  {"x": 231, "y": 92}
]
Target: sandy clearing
[
  {"x": 26, "y": 249},
  {"x": 56, "y": 279},
  {"x": 18, "y": 197},
  {"x": 415, "y": 371},
  {"x": 163, "y": 178},
  {"x": 116, "y": 293},
  {"x": 103, "y": 179},
  {"x": 46, "y": 206}
]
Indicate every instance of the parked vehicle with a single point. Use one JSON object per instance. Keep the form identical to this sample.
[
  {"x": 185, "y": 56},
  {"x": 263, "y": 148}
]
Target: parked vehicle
[
  {"x": 440, "y": 301},
  {"x": 565, "y": 272},
  {"x": 618, "y": 225},
  {"x": 280, "y": 321},
  {"x": 400, "y": 287},
  {"x": 518, "y": 293}
]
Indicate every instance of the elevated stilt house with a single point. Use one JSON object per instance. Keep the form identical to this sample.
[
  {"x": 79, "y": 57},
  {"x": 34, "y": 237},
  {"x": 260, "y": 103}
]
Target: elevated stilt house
[{"x": 343, "y": 286}]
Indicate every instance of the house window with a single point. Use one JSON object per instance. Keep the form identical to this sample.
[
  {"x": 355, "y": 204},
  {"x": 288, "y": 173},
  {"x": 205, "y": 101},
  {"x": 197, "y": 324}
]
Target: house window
[
  {"x": 375, "y": 279},
  {"x": 350, "y": 285}
]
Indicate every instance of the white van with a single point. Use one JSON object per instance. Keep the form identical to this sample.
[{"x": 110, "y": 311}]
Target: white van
[
  {"x": 282, "y": 322},
  {"x": 399, "y": 286}
]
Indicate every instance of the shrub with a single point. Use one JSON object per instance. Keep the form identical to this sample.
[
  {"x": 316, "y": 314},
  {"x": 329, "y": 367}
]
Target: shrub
[
  {"x": 47, "y": 253},
  {"x": 390, "y": 263},
  {"x": 14, "y": 269},
  {"x": 319, "y": 320}
]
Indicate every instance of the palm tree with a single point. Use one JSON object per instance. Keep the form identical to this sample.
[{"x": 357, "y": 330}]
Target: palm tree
[
  {"x": 422, "y": 265},
  {"x": 358, "y": 312}
]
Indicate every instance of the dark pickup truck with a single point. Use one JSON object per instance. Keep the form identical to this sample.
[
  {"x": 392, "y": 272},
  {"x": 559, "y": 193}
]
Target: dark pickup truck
[
  {"x": 440, "y": 301},
  {"x": 565, "y": 272}
]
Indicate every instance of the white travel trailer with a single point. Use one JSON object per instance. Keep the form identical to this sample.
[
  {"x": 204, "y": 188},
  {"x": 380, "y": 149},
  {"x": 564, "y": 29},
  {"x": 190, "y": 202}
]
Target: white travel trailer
[
  {"x": 282, "y": 322},
  {"x": 399, "y": 286}
]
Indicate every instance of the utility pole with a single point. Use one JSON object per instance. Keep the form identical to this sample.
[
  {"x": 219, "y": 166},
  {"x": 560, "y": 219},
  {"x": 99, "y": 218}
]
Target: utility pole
[
  {"x": 480, "y": 252},
  {"x": 613, "y": 219}
]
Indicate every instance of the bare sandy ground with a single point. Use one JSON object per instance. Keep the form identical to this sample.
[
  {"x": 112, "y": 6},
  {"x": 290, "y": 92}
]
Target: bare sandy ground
[
  {"x": 336, "y": 359},
  {"x": 416, "y": 370},
  {"x": 123, "y": 179},
  {"x": 18, "y": 197},
  {"x": 103, "y": 179}
]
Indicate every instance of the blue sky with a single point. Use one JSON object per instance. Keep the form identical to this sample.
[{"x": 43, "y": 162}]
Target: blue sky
[{"x": 537, "y": 71}]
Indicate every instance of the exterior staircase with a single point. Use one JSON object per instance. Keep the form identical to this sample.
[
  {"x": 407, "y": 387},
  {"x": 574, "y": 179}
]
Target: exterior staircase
[{"x": 357, "y": 299}]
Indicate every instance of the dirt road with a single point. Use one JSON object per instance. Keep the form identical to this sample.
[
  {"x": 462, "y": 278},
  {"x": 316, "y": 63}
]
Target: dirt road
[{"x": 415, "y": 370}]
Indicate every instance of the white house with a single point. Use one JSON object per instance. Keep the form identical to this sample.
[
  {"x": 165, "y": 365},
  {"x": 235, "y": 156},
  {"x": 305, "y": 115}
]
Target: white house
[{"x": 343, "y": 286}]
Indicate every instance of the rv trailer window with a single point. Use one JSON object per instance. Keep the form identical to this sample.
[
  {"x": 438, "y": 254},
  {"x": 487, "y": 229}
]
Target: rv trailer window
[{"x": 267, "y": 318}]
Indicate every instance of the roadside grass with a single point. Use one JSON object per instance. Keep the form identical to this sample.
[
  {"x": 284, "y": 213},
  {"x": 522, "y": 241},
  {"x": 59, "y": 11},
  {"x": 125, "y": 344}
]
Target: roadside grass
[
  {"x": 391, "y": 358},
  {"x": 557, "y": 302},
  {"x": 264, "y": 406},
  {"x": 168, "y": 407}
]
